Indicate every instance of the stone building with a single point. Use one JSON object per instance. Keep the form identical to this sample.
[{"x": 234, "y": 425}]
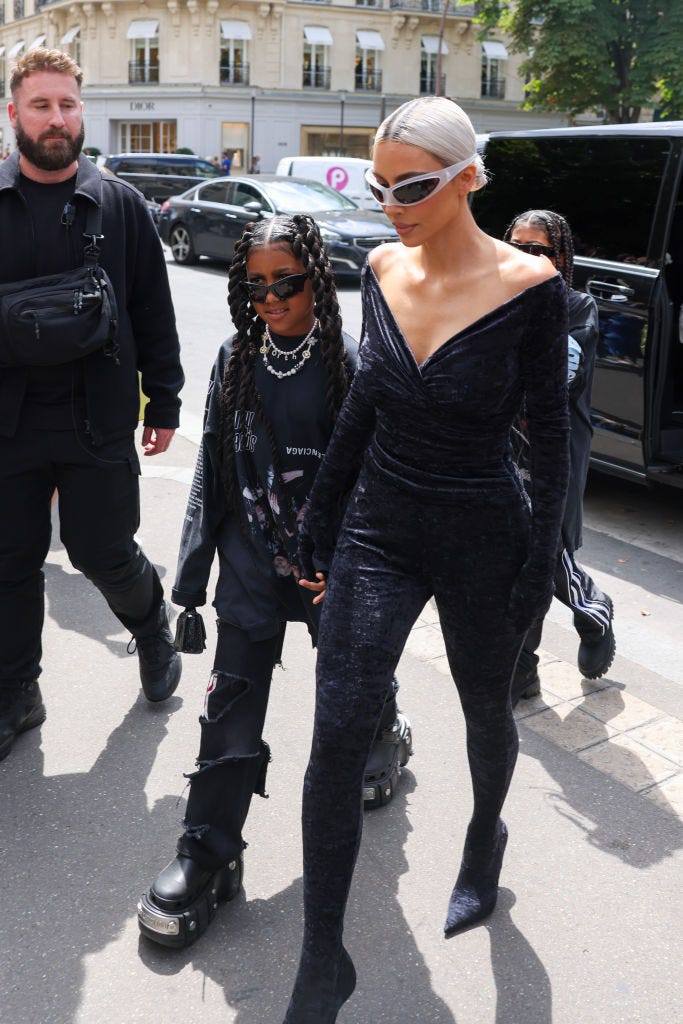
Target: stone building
[{"x": 271, "y": 78}]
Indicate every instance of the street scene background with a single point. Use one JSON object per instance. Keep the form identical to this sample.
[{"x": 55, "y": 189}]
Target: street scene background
[{"x": 587, "y": 926}]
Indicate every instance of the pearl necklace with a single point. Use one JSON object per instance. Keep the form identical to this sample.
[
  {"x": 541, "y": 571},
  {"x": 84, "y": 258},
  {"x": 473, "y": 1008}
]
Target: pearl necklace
[{"x": 269, "y": 346}]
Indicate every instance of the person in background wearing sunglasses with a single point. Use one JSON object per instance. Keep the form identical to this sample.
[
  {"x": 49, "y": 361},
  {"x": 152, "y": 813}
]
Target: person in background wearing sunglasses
[
  {"x": 545, "y": 233},
  {"x": 458, "y": 328},
  {"x": 275, "y": 393}
]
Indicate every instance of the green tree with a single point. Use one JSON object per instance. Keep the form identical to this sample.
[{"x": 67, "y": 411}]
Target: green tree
[{"x": 612, "y": 55}]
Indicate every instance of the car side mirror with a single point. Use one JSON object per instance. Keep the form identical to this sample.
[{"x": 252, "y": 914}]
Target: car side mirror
[{"x": 253, "y": 206}]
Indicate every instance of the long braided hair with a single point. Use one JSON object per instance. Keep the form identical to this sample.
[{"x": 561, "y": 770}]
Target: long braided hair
[
  {"x": 239, "y": 393},
  {"x": 559, "y": 235}
]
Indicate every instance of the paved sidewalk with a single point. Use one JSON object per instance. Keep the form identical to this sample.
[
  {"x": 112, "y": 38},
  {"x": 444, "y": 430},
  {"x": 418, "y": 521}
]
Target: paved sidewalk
[
  {"x": 587, "y": 926},
  {"x": 597, "y": 720}
]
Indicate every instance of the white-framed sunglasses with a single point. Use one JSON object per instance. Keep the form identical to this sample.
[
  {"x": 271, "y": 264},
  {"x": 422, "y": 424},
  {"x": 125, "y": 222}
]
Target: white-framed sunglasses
[{"x": 415, "y": 190}]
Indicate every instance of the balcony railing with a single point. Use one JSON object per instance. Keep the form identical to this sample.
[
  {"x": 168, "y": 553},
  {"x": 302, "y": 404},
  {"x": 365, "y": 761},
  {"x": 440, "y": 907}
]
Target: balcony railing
[
  {"x": 143, "y": 74},
  {"x": 428, "y": 82},
  {"x": 316, "y": 78},
  {"x": 234, "y": 74},
  {"x": 494, "y": 89},
  {"x": 369, "y": 82},
  {"x": 431, "y": 6}
]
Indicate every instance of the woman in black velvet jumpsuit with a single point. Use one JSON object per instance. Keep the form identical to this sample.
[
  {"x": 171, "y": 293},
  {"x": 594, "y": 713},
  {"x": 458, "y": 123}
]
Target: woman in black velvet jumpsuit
[{"x": 458, "y": 329}]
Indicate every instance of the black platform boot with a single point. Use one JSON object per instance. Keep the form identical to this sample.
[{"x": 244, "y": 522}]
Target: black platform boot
[
  {"x": 160, "y": 664},
  {"x": 21, "y": 708},
  {"x": 392, "y": 747},
  {"x": 183, "y": 899}
]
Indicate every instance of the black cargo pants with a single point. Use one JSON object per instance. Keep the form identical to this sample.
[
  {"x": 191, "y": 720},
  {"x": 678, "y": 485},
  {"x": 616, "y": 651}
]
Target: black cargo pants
[
  {"x": 99, "y": 513},
  {"x": 233, "y": 759}
]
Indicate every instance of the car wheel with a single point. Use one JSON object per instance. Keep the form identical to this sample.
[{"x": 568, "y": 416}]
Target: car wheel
[{"x": 181, "y": 245}]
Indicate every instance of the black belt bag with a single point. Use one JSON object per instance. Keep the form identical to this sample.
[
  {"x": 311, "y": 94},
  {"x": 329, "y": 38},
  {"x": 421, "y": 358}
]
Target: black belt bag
[{"x": 58, "y": 318}]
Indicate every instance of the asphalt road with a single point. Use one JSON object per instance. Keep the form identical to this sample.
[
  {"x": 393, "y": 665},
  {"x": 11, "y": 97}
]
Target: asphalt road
[{"x": 587, "y": 926}]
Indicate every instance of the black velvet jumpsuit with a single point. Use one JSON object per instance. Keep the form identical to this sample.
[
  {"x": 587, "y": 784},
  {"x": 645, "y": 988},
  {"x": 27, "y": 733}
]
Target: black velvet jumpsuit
[{"x": 438, "y": 509}]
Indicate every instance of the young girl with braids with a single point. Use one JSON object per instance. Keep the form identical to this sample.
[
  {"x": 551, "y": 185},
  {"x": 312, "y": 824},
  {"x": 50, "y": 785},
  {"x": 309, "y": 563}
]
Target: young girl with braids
[
  {"x": 276, "y": 390},
  {"x": 458, "y": 327},
  {"x": 546, "y": 233}
]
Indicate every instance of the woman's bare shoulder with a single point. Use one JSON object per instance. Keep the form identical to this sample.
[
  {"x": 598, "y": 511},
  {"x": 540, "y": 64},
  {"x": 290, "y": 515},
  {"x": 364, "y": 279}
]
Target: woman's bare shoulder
[
  {"x": 383, "y": 257},
  {"x": 519, "y": 270}
]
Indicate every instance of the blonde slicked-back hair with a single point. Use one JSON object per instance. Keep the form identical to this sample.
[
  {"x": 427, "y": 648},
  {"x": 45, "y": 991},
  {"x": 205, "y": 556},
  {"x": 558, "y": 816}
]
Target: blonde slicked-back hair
[
  {"x": 440, "y": 127},
  {"x": 42, "y": 59}
]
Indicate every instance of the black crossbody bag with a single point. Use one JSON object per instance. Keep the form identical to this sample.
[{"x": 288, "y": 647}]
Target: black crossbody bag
[{"x": 58, "y": 318}]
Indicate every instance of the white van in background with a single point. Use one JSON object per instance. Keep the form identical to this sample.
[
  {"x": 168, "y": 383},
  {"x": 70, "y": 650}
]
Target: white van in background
[{"x": 346, "y": 174}]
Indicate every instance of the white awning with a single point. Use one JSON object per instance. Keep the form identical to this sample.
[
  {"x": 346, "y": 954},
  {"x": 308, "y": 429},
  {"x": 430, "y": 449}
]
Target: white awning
[
  {"x": 38, "y": 41},
  {"x": 235, "y": 30},
  {"x": 493, "y": 50},
  {"x": 315, "y": 35},
  {"x": 369, "y": 40},
  {"x": 2, "y": 51},
  {"x": 142, "y": 30},
  {"x": 16, "y": 49},
  {"x": 430, "y": 44},
  {"x": 69, "y": 36}
]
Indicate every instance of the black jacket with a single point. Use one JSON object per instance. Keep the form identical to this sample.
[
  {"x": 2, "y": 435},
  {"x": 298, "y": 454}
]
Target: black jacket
[
  {"x": 132, "y": 255},
  {"x": 246, "y": 592}
]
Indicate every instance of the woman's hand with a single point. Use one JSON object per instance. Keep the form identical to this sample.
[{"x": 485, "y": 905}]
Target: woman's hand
[{"x": 318, "y": 587}]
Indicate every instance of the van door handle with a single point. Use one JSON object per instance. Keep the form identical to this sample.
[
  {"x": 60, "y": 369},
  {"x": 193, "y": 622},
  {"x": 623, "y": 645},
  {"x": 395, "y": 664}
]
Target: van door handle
[{"x": 616, "y": 292}]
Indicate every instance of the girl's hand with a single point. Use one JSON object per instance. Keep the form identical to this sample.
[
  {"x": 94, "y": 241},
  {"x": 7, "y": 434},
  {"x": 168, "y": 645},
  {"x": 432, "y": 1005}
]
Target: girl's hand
[{"x": 318, "y": 587}]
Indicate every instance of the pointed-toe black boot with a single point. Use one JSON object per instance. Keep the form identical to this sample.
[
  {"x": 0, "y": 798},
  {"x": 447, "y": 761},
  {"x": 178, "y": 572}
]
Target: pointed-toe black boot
[
  {"x": 160, "y": 664},
  {"x": 476, "y": 890},
  {"x": 317, "y": 1001},
  {"x": 183, "y": 899},
  {"x": 21, "y": 708}
]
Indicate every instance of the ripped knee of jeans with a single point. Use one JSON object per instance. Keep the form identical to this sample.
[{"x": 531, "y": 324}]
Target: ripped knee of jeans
[{"x": 222, "y": 693}]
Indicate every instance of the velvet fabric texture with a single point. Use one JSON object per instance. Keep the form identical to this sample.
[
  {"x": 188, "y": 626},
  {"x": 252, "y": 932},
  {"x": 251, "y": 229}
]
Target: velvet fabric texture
[{"x": 439, "y": 510}]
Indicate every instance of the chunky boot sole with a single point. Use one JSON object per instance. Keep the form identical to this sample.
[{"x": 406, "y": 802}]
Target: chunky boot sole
[
  {"x": 389, "y": 754},
  {"x": 35, "y": 717},
  {"x": 595, "y": 658},
  {"x": 181, "y": 927}
]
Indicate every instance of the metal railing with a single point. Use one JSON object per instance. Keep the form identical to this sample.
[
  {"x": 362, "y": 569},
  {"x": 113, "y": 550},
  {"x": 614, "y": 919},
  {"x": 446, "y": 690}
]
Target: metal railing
[
  {"x": 493, "y": 89},
  {"x": 316, "y": 78},
  {"x": 428, "y": 84},
  {"x": 432, "y": 7},
  {"x": 142, "y": 74},
  {"x": 369, "y": 82},
  {"x": 234, "y": 74}
]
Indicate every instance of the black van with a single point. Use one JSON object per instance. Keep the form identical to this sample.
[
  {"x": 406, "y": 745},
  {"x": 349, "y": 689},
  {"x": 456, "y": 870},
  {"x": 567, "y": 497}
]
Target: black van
[
  {"x": 162, "y": 175},
  {"x": 621, "y": 189}
]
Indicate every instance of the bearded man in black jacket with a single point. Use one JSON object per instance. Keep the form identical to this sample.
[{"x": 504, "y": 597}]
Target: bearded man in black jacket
[{"x": 70, "y": 426}]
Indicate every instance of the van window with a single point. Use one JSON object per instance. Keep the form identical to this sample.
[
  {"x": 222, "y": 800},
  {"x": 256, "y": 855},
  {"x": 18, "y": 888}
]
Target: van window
[{"x": 584, "y": 179}]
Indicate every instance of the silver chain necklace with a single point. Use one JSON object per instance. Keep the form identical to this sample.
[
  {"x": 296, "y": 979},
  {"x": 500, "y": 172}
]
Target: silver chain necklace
[{"x": 304, "y": 347}]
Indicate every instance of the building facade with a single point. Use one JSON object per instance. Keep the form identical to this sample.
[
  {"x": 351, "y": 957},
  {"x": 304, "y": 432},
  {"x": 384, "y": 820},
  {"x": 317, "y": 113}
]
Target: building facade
[{"x": 267, "y": 78}]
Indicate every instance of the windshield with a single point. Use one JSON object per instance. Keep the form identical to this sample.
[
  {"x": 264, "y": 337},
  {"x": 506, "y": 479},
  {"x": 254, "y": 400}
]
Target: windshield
[{"x": 306, "y": 197}]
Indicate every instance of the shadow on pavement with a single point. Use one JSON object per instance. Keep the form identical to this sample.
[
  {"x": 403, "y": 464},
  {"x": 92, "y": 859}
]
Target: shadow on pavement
[{"x": 68, "y": 861}]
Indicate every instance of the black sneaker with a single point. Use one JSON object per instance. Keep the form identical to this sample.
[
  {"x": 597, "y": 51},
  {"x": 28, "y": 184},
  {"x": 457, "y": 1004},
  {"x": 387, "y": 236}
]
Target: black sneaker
[
  {"x": 596, "y": 654},
  {"x": 21, "y": 708},
  {"x": 160, "y": 664}
]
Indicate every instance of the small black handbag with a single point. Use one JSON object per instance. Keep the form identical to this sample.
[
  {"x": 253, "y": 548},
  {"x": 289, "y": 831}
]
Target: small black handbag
[{"x": 58, "y": 318}]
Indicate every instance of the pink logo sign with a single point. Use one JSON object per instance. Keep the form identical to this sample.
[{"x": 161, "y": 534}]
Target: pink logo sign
[{"x": 337, "y": 178}]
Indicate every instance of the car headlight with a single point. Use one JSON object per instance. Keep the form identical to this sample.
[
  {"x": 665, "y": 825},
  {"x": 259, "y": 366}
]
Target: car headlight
[{"x": 329, "y": 235}]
